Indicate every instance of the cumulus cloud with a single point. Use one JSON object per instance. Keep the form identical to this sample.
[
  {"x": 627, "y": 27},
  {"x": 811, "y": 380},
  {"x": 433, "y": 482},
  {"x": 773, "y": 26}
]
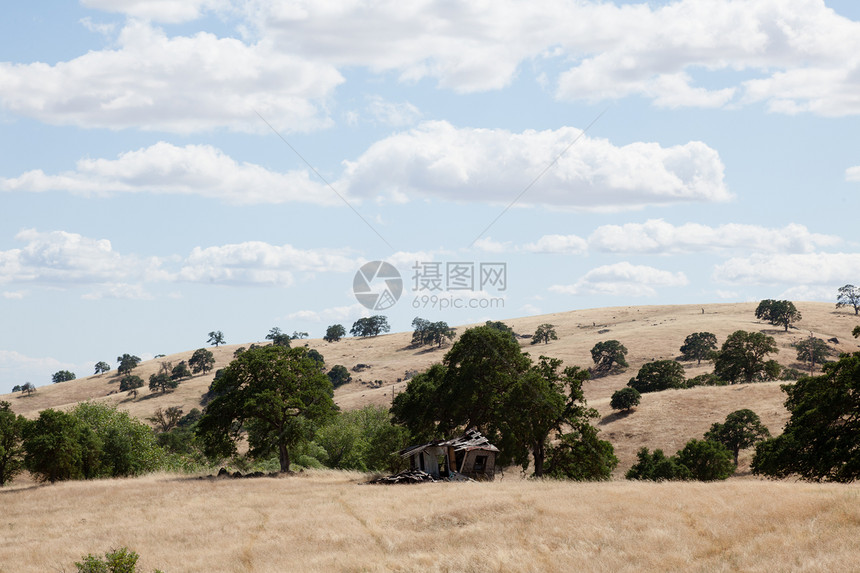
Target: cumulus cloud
[
  {"x": 329, "y": 314},
  {"x": 439, "y": 160},
  {"x": 559, "y": 244},
  {"x": 179, "y": 84},
  {"x": 791, "y": 269},
  {"x": 390, "y": 113},
  {"x": 622, "y": 279},
  {"x": 168, "y": 11},
  {"x": 17, "y": 368},
  {"x": 164, "y": 168},
  {"x": 852, "y": 174},
  {"x": 259, "y": 263}
]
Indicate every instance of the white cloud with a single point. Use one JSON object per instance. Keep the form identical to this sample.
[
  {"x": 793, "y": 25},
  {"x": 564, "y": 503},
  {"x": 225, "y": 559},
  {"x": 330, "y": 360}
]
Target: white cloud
[
  {"x": 488, "y": 245},
  {"x": 727, "y": 294},
  {"x": 163, "y": 168},
  {"x": 530, "y": 309},
  {"x": 180, "y": 84},
  {"x": 852, "y": 174},
  {"x": 59, "y": 258},
  {"x": 259, "y": 263},
  {"x": 337, "y": 313},
  {"x": 437, "y": 159},
  {"x": 622, "y": 279},
  {"x": 390, "y": 113},
  {"x": 17, "y": 368},
  {"x": 560, "y": 244},
  {"x": 13, "y": 295},
  {"x": 123, "y": 291},
  {"x": 656, "y": 236},
  {"x": 169, "y": 11},
  {"x": 806, "y": 292},
  {"x": 791, "y": 269}
]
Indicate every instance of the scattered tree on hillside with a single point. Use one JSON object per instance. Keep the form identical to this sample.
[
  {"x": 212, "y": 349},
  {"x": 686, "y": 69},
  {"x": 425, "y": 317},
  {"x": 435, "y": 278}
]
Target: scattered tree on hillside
[
  {"x": 625, "y": 399},
  {"x": 11, "y": 449},
  {"x": 16, "y": 388},
  {"x": 298, "y": 335},
  {"x": 274, "y": 393},
  {"x": 849, "y": 295},
  {"x": 608, "y": 357},
  {"x": 370, "y": 326},
  {"x": 501, "y": 327},
  {"x": 429, "y": 333},
  {"x": 743, "y": 356},
  {"x": 201, "y": 361},
  {"x": 741, "y": 430},
  {"x": 62, "y": 376},
  {"x": 812, "y": 350},
  {"x": 127, "y": 363},
  {"x": 339, "y": 375},
  {"x": 167, "y": 419},
  {"x": 699, "y": 346},
  {"x": 334, "y": 333},
  {"x": 216, "y": 338},
  {"x": 130, "y": 382},
  {"x": 278, "y": 337},
  {"x": 102, "y": 367},
  {"x": 162, "y": 382},
  {"x": 544, "y": 333},
  {"x": 180, "y": 371},
  {"x": 706, "y": 460},
  {"x": 658, "y": 375},
  {"x": 822, "y": 437},
  {"x": 28, "y": 388},
  {"x": 315, "y": 355},
  {"x": 778, "y": 312}
]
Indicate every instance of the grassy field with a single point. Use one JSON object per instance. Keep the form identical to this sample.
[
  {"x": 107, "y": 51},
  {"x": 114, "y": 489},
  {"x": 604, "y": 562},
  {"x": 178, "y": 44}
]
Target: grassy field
[{"x": 327, "y": 521}]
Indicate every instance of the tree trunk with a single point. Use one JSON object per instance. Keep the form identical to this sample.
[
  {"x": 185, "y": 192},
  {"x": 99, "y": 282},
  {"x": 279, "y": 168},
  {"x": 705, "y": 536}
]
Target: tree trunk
[
  {"x": 284, "y": 457},
  {"x": 539, "y": 454}
]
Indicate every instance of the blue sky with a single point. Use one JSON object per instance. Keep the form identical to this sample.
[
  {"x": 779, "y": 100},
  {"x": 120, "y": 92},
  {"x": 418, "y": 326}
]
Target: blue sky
[{"x": 155, "y": 179}]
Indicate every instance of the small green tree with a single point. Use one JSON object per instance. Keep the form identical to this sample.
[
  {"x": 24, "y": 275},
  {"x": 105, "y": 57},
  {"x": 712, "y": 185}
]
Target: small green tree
[
  {"x": 743, "y": 356},
  {"x": 707, "y": 460},
  {"x": 608, "y": 357},
  {"x": 180, "y": 372},
  {"x": 62, "y": 376},
  {"x": 216, "y": 337},
  {"x": 298, "y": 335},
  {"x": 11, "y": 449},
  {"x": 58, "y": 446},
  {"x": 166, "y": 419},
  {"x": 130, "y": 382},
  {"x": 625, "y": 399},
  {"x": 370, "y": 326},
  {"x": 201, "y": 361},
  {"x": 658, "y": 375},
  {"x": 699, "y": 346},
  {"x": 339, "y": 375},
  {"x": 812, "y": 350},
  {"x": 28, "y": 388},
  {"x": 426, "y": 332},
  {"x": 849, "y": 295},
  {"x": 742, "y": 429},
  {"x": 122, "y": 560},
  {"x": 544, "y": 333},
  {"x": 278, "y": 337},
  {"x": 778, "y": 312},
  {"x": 856, "y": 332},
  {"x": 334, "y": 333},
  {"x": 162, "y": 383},
  {"x": 16, "y": 388},
  {"x": 581, "y": 456},
  {"x": 102, "y": 367},
  {"x": 127, "y": 363},
  {"x": 657, "y": 467}
]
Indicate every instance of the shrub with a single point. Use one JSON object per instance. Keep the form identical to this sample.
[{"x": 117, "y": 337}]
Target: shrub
[
  {"x": 659, "y": 375},
  {"x": 707, "y": 460},
  {"x": 707, "y": 379},
  {"x": 657, "y": 467},
  {"x": 339, "y": 375},
  {"x": 122, "y": 560},
  {"x": 625, "y": 399}
]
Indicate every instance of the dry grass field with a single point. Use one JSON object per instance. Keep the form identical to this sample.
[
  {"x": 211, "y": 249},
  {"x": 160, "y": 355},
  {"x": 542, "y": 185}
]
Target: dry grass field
[{"x": 327, "y": 521}]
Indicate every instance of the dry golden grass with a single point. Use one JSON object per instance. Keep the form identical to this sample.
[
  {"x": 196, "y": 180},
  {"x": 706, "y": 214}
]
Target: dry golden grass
[
  {"x": 663, "y": 420},
  {"x": 325, "y": 521}
]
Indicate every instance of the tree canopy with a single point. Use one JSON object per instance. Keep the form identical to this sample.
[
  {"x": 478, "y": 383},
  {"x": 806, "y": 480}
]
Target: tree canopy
[
  {"x": 743, "y": 355},
  {"x": 428, "y": 333},
  {"x": 216, "y": 338},
  {"x": 278, "y": 337},
  {"x": 11, "y": 449},
  {"x": 273, "y": 392},
  {"x": 699, "y": 346},
  {"x": 370, "y": 326},
  {"x": 62, "y": 376},
  {"x": 201, "y": 361},
  {"x": 778, "y": 312},
  {"x": 101, "y": 367},
  {"x": 742, "y": 429},
  {"x": 812, "y": 350},
  {"x": 658, "y": 375},
  {"x": 849, "y": 295},
  {"x": 544, "y": 333},
  {"x": 821, "y": 440},
  {"x": 608, "y": 357},
  {"x": 127, "y": 363},
  {"x": 334, "y": 333},
  {"x": 625, "y": 399}
]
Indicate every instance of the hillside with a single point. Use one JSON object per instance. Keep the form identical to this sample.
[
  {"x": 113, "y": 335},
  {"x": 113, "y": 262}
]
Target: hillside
[{"x": 663, "y": 420}]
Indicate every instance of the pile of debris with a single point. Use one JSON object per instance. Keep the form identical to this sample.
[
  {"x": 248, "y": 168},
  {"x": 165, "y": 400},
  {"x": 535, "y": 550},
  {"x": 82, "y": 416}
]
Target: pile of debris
[{"x": 417, "y": 476}]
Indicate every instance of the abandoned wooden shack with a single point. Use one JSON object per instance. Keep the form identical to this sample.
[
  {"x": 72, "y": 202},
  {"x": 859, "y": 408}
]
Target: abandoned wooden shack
[{"x": 471, "y": 455}]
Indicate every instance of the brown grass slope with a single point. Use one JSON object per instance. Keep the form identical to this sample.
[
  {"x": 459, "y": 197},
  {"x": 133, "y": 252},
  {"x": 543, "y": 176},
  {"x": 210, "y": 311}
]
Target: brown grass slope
[
  {"x": 326, "y": 522},
  {"x": 663, "y": 420}
]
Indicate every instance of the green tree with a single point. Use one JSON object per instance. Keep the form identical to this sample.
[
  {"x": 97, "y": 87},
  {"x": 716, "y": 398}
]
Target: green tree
[
  {"x": 317, "y": 357},
  {"x": 162, "y": 383},
  {"x": 127, "y": 363},
  {"x": 298, "y": 335},
  {"x": 743, "y": 356},
  {"x": 165, "y": 420},
  {"x": 812, "y": 350},
  {"x": 849, "y": 295},
  {"x": 28, "y": 387},
  {"x": 180, "y": 372},
  {"x": 501, "y": 327},
  {"x": 429, "y": 333},
  {"x": 778, "y": 312},
  {"x": 741, "y": 430},
  {"x": 216, "y": 337},
  {"x": 821, "y": 440},
  {"x": 339, "y": 375},
  {"x": 201, "y": 361},
  {"x": 102, "y": 367},
  {"x": 276, "y": 393},
  {"x": 11, "y": 450},
  {"x": 706, "y": 460},
  {"x": 363, "y": 440},
  {"x": 657, "y": 467},
  {"x": 370, "y": 326},
  {"x": 625, "y": 399},
  {"x": 608, "y": 357},
  {"x": 122, "y": 560},
  {"x": 130, "y": 382},
  {"x": 581, "y": 456},
  {"x": 62, "y": 376},
  {"x": 58, "y": 446},
  {"x": 658, "y": 375},
  {"x": 856, "y": 332},
  {"x": 699, "y": 346},
  {"x": 278, "y": 337},
  {"x": 334, "y": 333},
  {"x": 16, "y": 388},
  {"x": 544, "y": 333}
]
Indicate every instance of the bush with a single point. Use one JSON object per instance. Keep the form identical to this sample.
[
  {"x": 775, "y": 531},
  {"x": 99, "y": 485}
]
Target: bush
[
  {"x": 708, "y": 379},
  {"x": 339, "y": 375},
  {"x": 122, "y": 560},
  {"x": 659, "y": 375},
  {"x": 581, "y": 456},
  {"x": 707, "y": 460},
  {"x": 657, "y": 467},
  {"x": 625, "y": 399},
  {"x": 130, "y": 382}
]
